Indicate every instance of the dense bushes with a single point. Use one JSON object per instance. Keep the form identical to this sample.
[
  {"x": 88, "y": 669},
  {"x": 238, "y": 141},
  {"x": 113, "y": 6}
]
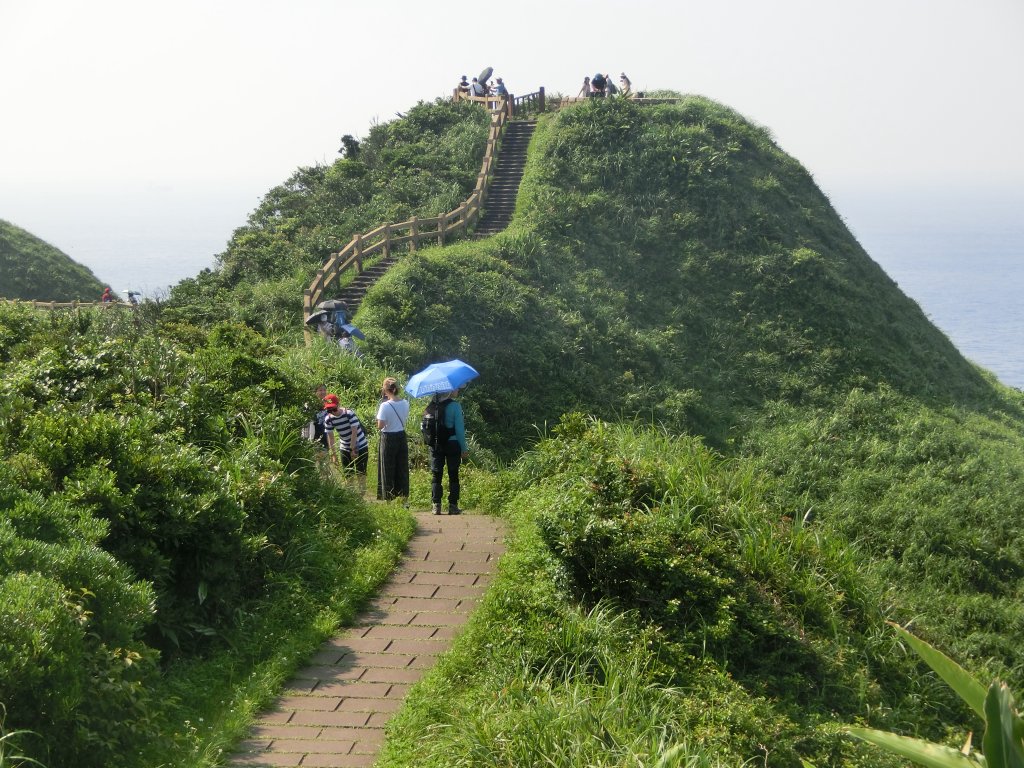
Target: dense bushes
[{"x": 155, "y": 493}]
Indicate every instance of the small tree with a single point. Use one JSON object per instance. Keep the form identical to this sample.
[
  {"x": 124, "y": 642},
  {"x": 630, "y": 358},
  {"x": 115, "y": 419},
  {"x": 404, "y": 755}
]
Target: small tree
[{"x": 349, "y": 147}]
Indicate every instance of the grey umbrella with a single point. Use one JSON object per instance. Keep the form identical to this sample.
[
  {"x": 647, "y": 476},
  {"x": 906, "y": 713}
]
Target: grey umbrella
[{"x": 332, "y": 304}]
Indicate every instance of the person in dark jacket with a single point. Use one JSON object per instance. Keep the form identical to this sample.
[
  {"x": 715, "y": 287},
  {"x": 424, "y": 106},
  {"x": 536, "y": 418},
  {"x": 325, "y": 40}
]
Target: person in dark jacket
[{"x": 450, "y": 455}]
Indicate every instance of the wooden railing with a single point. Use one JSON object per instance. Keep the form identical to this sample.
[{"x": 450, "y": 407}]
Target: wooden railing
[
  {"x": 565, "y": 101},
  {"x": 67, "y": 304},
  {"x": 409, "y": 233},
  {"x": 516, "y": 106}
]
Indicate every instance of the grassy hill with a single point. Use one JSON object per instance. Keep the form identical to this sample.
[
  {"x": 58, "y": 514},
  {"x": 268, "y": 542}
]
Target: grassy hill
[
  {"x": 33, "y": 269},
  {"x": 728, "y": 448}
]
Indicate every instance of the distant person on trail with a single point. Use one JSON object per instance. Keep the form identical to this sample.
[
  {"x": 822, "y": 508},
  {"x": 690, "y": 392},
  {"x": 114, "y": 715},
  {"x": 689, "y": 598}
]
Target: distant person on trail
[
  {"x": 500, "y": 89},
  {"x": 463, "y": 87},
  {"x": 585, "y": 90},
  {"x": 347, "y": 445},
  {"x": 347, "y": 343},
  {"x": 609, "y": 86},
  {"x": 107, "y": 296},
  {"x": 625, "y": 86},
  {"x": 597, "y": 84},
  {"x": 477, "y": 89},
  {"x": 393, "y": 459},
  {"x": 450, "y": 455}
]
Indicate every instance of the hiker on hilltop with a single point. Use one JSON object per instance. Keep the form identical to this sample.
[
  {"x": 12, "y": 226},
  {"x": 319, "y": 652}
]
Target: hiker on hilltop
[
  {"x": 597, "y": 85},
  {"x": 585, "y": 90},
  {"x": 450, "y": 453},
  {"x": 500, "y": 89},
  {"x": 609, "y": 86},
  {"x": 463, "y": 87},
  {"x": 107, "y": 296},
  {"x": 477, "y": 89},
  {"x": 625, "y": 86}
]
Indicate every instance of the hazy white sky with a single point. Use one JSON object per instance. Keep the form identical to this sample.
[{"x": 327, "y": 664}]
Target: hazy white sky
[{"x": 137, "y": 116}]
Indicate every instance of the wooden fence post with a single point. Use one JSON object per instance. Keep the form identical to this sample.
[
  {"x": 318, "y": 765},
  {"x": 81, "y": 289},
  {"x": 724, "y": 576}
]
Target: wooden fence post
[
  {"x": 359, "y": 254},
  {"x": 387, "y": 239},
  {"x": 440, "y": 228},
  {"x": 307, "y": 310},
  {"x": 415, "y": 234},
  {"x": 540, "y": 99}
]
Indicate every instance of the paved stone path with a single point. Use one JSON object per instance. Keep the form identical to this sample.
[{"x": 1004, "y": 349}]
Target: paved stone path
[{"x": 333, "y": 711}]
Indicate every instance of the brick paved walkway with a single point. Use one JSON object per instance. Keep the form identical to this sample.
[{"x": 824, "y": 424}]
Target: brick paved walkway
[{"x": 333, "y": 711}]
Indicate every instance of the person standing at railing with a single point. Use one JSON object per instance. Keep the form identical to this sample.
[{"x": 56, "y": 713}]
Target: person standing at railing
[
  {"x": 585, "y": 90},
  {"x": 500, "y": 90},
  {"x": 107, "y": 296},
  {"x": 463, "y": 87},
  {"x": 625, "y": 86},
  {"x": 477, "y": 88}
]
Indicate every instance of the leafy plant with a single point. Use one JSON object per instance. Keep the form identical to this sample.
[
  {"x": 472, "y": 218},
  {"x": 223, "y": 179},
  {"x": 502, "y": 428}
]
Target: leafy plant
[{"x": 1003, "y": 740}]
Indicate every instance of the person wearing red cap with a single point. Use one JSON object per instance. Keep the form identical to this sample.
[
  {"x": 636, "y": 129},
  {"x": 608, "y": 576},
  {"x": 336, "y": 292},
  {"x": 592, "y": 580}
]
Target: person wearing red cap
[
  {"x": 107, "y": 296},
  {"x": 347, "y": 444}
]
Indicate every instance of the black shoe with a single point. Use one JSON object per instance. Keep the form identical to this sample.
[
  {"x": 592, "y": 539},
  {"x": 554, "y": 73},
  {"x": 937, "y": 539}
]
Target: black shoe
[{"x": 453, "y": 510}]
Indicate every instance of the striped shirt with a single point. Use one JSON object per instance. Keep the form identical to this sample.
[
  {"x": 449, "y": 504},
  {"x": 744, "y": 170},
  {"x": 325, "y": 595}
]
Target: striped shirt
[{"x": 341, "y": 424}]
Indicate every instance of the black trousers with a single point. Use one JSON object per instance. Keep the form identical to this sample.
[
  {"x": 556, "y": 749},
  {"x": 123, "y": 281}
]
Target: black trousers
[
  {"x": 393, "y": 468},
  {"x": 451, "y": 457}
]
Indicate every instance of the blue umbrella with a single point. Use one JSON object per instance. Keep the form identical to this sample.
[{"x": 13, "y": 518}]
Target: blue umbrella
[
  {"x": 440, "y": 377},
  {"x": 353, "y": 331}
]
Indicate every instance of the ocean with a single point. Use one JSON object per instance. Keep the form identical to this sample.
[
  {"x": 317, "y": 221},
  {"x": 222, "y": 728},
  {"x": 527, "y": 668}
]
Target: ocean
[
  {"x": 960, "y": 256},
  {"x": 971, "y": 285}
]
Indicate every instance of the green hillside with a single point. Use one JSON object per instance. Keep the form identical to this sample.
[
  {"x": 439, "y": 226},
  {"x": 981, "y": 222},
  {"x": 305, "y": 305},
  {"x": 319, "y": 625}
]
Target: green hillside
[
  {"x": 33, "y": 269},
  {"x": 727, "y": 446}
]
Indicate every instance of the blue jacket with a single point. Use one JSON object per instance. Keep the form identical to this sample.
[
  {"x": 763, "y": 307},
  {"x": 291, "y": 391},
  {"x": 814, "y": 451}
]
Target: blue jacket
[{"x": 454, "y": 421}]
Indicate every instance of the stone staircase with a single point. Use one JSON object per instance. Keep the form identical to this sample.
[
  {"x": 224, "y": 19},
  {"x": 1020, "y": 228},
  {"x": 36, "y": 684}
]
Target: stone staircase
[
  {"x": 501, "y": 204},
  {"x": 353, "y": 293},
  {"x": 501, "y": 195}
]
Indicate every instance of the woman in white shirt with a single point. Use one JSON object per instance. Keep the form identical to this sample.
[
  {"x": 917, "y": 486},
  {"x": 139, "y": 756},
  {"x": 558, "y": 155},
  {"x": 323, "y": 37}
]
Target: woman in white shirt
[{"x": 393, "y": 467}]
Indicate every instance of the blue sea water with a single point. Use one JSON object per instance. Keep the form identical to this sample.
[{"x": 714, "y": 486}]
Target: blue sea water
[{"x": 971, "y": 285}]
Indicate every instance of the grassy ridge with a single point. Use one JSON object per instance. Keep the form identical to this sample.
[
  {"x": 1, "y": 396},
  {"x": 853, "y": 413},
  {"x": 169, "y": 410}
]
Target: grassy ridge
[
  {"x": 668, "y": 262},
  {"x": 780, "y": 453},
  {"x": 32, "y": 269},
  {"x": 670, "y": 265}
]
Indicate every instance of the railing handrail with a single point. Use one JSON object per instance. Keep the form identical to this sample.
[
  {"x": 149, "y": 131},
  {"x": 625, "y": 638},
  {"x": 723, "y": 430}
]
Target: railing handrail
[
  {"x": 37, "y": 304},
  {"x": 384, "y": 237}
]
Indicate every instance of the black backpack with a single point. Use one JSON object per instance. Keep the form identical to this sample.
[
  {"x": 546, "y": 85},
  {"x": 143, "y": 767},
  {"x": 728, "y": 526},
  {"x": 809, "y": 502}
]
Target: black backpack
[{"x": 435, "y": 433}]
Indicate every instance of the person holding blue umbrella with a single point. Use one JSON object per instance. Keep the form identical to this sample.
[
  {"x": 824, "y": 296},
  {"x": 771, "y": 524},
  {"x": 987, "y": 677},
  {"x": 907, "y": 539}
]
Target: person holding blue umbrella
[
  {"x": 442, "y": 382},
  {"x": 450, "y": 453}
]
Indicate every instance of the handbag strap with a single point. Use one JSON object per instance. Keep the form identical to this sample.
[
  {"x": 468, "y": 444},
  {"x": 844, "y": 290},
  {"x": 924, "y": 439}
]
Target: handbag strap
[{"x": 400, "y": 420}]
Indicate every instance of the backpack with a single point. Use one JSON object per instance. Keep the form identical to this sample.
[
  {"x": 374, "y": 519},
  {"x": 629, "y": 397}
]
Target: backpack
[{"x": 435, "y": 433}]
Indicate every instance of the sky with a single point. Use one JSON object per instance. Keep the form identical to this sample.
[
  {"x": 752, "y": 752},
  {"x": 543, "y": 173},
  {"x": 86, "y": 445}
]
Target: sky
[{"x": 135, "y": 135}]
